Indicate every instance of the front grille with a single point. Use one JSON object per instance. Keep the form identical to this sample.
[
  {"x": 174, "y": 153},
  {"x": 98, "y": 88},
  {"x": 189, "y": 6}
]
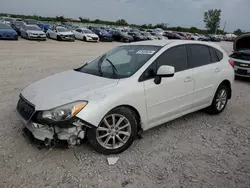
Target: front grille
[
  {"x": 95, "y": 38},
  {"x": 25, "y": 109},
  {"x": 244, "y": 65}
]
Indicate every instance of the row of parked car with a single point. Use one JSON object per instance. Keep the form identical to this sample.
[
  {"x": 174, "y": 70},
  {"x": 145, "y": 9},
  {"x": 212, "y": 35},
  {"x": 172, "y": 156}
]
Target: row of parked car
[{"x": 11, "y": 28}]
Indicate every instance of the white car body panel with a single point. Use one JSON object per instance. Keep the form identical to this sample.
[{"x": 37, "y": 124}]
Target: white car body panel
[{"x": 185, "y": 92}]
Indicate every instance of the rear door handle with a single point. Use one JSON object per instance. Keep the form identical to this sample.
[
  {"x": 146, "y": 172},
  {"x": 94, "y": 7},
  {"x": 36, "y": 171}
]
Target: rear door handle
[
  {"x": 188, "y": 79},
  {"x": 217, "y": 70}
]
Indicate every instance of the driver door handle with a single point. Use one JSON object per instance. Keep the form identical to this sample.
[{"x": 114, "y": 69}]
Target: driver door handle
[{"x": 188, "y": 79}]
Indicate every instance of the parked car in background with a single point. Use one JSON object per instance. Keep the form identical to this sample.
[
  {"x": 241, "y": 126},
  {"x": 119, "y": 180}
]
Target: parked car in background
[
  {"x": 214, "y": 38},
  {"x": 204, "y": 38},
  {"x": 85, "y": 35},
  {"x": 18, "y": 19},
  {"x": 230, "y": 37},
  {"x": 7, "y": 32},
  {"x": 17, "y": 25},
  {"x": 166, "y": 80},
  {"x": 137, "y": 36},
  {"x": 7, "y": 20},
  {"x": 193, "y": 36},
  {"x": 149, "y": 36},
  {"x": 241, "y": 55},
  {"x": 184, "y": 35},
  {"x": 30, "y": 21},
  {"x": 44, "y": 26},
  {"x": 122, "y": 36},
  {"x": 173, "y": 35},
  {"x": 103, "y": 35},
  {"x": 32, "y": 32},
  {"x": 60, "y": 33}
]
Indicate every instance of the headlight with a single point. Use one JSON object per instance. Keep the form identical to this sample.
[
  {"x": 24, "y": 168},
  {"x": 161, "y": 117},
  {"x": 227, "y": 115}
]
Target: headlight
[{"x": 64, "y": 112}]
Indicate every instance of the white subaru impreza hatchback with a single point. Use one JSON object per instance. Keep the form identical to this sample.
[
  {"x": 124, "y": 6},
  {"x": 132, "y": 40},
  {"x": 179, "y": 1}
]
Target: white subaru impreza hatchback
[{"x": 125, "y": 91}]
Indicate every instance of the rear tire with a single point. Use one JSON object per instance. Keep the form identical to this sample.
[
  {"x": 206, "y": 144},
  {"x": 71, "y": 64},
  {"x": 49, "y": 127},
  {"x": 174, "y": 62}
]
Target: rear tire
[
  {"x": 120, "y": 136},
  {"x": 220, "y": 100}
]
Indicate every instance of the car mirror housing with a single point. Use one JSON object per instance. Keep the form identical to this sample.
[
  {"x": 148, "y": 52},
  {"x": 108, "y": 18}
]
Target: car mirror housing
[{"x": 164, "y": 71}]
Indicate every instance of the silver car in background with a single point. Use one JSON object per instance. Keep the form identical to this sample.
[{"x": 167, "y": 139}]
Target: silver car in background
[
  {"x": 241, "y": 55},
  {"x": 32, "y": 32}
]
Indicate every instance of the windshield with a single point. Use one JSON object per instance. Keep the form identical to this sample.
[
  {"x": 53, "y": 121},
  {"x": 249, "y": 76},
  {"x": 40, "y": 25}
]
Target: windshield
[
  {"x": 33, "y": 28},
  {"x": 61, "y": 29},
  {"x": 123, "y": 60},
  {"x": 87, "y": 31},
  {"x": 4, "y": 26}
]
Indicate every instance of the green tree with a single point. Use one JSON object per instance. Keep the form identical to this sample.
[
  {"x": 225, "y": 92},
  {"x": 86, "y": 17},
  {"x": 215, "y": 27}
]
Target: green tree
[
  {"x": 238, "y": 32},
  {"x": 121, "y": 22},
  {"x": 61, "y": 19},
  {"x": 212, "y": 19}
]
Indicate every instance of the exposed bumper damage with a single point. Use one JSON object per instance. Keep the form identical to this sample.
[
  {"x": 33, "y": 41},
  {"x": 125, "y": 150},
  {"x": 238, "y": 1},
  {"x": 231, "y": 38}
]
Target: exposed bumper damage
[{"x": 72, "y": 131}]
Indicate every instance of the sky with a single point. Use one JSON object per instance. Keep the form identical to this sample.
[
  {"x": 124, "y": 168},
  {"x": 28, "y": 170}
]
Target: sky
[{"x": 185, "y": 13}]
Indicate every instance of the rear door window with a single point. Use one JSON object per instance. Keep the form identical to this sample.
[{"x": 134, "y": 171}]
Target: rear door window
[{"x": 198, "y": 55}]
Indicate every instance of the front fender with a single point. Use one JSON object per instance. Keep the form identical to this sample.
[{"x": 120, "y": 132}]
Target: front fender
[{"x": 97, "y": 109}]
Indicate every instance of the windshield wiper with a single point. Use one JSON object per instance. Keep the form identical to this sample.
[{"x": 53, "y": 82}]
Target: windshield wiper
[
  {"x": 113, "y": 67},
  {"x": 100, "y": 65}
]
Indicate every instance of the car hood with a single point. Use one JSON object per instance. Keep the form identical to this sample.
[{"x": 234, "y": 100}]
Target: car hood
[
  {"x": 35, "y": 32},
  {"x": 65, "y": 87},
  {"x": 242, "y": 42},
  {"x": 65, "y": 33},
  {"x": 10, "y": 31}
]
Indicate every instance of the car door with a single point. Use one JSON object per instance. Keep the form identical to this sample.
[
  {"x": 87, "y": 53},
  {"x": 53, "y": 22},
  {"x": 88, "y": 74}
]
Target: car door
[
  {"x": 205, "y": 74},
  {"x": 78, "y": 34},
  {"x": 174, "y": 95}
]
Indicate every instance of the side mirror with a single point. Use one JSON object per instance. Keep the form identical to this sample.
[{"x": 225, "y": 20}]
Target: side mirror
[{"x": 164, "y": 71}]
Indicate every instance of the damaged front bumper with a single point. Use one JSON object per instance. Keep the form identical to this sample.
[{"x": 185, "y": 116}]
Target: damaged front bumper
[{"x": 72, "y": 131}]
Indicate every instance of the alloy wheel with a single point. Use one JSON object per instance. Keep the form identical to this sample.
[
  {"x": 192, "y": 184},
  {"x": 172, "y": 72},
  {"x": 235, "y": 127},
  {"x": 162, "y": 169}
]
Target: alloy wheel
[
  {"x": 114, "y": 131},
  {"x": 221, "y": 99}
]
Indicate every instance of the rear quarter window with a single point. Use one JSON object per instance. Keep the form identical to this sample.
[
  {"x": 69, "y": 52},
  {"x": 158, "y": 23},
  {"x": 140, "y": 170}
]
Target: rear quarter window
[
  {"x": 219, "y": 54},
  {"x": 213, "y": 54}
]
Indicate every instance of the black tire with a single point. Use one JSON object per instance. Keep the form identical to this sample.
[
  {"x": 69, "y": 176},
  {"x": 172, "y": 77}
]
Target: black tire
[
  {"x": 126, "y": 112},
  {"x": 84, "y": 39},
  {"x": 58, "y": 38},
  {"x": 213, "y": 109},
  {"x": 48, "y": 35}
]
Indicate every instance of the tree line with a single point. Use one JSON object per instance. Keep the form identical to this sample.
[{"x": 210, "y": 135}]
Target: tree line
[{"x": 211, "y": 20}]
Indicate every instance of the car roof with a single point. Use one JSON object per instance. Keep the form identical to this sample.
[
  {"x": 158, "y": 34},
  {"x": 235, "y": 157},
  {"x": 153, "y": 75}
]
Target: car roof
[{"x": 167, "y": 42}]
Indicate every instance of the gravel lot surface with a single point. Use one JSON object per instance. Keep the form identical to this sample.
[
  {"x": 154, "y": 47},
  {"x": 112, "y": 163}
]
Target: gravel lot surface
[{"x": 197, "y": 150}]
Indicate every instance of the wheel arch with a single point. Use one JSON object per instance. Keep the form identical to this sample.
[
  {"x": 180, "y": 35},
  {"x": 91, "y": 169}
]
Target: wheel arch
[
  {"x": 228, "y": 84},
  {"x": 134, "y": 110}
]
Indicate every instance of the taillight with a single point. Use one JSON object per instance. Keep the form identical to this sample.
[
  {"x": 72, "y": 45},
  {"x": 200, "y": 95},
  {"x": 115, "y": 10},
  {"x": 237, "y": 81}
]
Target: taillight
[{"x": 231, "y": 62}]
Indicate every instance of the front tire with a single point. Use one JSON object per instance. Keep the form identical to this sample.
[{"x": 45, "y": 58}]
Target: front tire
[
  {"x": 84, "y": 39},
  {"x": 220, "y": 100},
  {"x": 116, "y": 132}
]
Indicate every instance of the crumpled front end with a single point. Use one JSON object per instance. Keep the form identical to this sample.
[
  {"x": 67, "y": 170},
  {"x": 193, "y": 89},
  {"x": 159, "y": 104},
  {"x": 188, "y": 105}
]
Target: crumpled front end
[{"x": 72, "y": 131}]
